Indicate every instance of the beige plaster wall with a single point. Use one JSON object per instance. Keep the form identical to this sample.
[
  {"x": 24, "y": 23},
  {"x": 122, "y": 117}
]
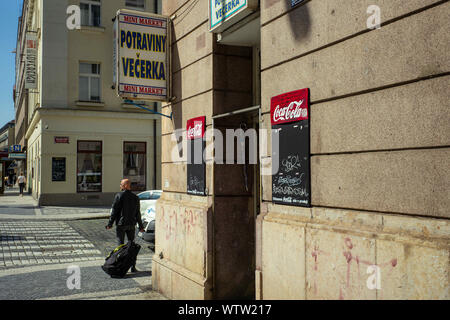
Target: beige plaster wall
[
  {"x": 379, "y": 151},
  {"x": 379, "y": 144},
  {"x": 326, "y": 254}
]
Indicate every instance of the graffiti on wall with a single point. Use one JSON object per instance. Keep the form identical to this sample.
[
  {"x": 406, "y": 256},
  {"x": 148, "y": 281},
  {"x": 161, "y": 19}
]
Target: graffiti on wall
[{"x": 369, "y": 274}]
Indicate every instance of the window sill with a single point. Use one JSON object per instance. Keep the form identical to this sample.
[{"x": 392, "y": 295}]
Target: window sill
[
  {"x": 92, "y": 29},
  {"x": 90, "y": 104}
]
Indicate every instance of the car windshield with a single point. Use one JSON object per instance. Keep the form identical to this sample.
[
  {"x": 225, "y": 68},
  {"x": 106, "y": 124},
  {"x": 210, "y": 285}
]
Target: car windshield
[
  {"x": 144, "y": 196},
  {"x": 155, "y": 195},
  {"x": 150, "y": 195}
]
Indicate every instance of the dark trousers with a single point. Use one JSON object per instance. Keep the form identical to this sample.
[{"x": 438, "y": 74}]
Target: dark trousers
[
  {"x": 21, "y": 187},
  {"x": 121, "y": 231}
]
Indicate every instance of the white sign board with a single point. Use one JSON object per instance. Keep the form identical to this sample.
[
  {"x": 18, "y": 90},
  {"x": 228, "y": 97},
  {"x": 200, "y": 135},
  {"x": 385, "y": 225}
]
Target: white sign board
[
  {"x": 223, "y": 13},
  {"x": 17, "y": 156},
  {"x": 141, "y": 56},
  {"x": 31, "y": 61}
]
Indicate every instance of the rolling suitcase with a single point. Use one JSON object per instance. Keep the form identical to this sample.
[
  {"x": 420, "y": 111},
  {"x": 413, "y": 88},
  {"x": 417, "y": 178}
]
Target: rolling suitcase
[{"x": 121, "y": 259}]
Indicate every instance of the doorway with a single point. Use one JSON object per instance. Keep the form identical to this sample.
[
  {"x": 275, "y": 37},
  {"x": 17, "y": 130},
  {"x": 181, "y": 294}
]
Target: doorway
[{"x": 236, "y": 204}]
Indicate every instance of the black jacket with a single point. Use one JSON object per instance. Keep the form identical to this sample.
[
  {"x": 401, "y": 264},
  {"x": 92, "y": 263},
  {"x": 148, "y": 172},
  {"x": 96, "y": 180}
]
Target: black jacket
[{"x": 126, "y": 210}]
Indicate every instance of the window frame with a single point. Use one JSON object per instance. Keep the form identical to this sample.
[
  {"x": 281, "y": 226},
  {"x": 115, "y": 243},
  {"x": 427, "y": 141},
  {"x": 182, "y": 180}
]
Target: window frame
[
  {"x": 135, "y": 7},
  {"x": 137, "y": 152},
  {"x": 92, "y": 3},
  {"x": 90, "y": 76},
  {"x": 90, "y": 151}
]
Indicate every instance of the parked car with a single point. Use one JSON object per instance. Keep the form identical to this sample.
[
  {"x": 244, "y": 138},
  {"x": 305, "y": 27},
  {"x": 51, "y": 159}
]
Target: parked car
[{"x": 148, "y": 211}]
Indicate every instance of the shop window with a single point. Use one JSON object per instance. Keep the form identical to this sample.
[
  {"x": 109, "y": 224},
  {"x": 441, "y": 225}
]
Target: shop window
[
  {"x": 89, "y": 82},
  {"x": 134, "y": 164},
  {"x": 140, "y": 4},
  {"x": 89, "y": 166},
  {"x": 90, "y": 13}
]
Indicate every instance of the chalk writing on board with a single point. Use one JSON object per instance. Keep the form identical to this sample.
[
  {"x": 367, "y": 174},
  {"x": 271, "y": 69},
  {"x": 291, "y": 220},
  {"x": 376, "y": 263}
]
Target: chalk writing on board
[
  {"x": 291, "y": 163},
  {"x": 195, "y": 183},
  {"x": 290, "y": 180}
]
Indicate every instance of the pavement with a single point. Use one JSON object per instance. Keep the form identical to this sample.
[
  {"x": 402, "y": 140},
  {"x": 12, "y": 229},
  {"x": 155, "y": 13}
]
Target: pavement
[
  {"x": 44, "y": 251},
  {"x": 15, "y": 207}
]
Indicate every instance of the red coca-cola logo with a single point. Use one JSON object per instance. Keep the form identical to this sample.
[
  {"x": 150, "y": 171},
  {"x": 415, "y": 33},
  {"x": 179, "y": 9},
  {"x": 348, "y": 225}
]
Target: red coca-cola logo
[
  {"x": 289, "y": 107},
  {"x": 195, "y": 128}
]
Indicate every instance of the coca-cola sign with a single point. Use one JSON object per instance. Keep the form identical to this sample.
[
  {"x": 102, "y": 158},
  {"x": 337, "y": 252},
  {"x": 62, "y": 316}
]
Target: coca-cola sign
[
  {"x": 195, "y": 128},
  {"x": 290, "y": 107}
]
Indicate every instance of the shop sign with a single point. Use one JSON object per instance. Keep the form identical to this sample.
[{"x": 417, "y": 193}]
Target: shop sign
[
  {"x": 31, "y": 61},
  {"x": 195, "y": 128},
  {"x": 223, "y": 13},
  {"x": 141, "y": 54}
]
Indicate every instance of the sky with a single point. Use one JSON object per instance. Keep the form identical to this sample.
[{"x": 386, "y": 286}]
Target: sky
[{"x": 10, "y": 10}]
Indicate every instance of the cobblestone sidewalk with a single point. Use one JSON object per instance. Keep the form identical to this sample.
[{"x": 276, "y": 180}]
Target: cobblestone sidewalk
[{"x": 36, "y": 242}]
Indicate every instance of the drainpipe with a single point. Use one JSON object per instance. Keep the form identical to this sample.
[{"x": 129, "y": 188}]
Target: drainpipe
[
  {"x": 155, "y": 108},
  {"x": 155, "y": 140}
]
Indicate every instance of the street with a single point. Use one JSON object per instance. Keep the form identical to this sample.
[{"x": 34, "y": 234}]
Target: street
[{"x": 41, "y": 247}]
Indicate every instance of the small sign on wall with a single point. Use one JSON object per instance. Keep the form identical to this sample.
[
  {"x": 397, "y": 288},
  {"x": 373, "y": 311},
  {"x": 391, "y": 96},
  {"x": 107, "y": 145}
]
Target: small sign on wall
[
  {"x": 196, "y": 166},
  {"x": 290, "y": 121},
  {"x": 61, "y": 139}
]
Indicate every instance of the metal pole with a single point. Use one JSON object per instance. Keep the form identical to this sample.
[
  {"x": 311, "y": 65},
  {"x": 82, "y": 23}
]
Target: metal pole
[{"x": 150, "y": 110}]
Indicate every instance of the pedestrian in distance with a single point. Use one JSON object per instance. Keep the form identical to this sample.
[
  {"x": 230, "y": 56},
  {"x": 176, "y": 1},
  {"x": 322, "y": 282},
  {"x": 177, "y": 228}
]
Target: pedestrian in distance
[
  {"x": 21, "y": 180},
  {"x": 126, "y": 213}
]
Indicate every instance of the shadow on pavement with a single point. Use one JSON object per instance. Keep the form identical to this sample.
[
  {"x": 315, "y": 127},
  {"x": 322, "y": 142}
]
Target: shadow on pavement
[{"x": 138, "y": 274}]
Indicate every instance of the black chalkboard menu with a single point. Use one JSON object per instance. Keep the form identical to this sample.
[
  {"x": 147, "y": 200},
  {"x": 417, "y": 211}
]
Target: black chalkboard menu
[
  {"x": 291, "y": 183},
  {"x": 196, "y": 166},
  {"x": 58, "y": 169}
]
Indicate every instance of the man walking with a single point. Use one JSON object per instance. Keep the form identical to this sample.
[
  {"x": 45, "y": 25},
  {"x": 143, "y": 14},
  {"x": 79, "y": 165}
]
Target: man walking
[
  {"x": 21, "y": 181},
  {"x": 126, "y": 213}
]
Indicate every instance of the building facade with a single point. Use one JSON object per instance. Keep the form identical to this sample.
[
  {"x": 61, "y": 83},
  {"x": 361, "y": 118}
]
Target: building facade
[
  {"x": 20, "y": 94},
  {"x": 377, "y": 226},
  {"x": 7, "y": 137},
  {"x": 81, "y": 138},
  {"x": 7, "y": 167}
]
